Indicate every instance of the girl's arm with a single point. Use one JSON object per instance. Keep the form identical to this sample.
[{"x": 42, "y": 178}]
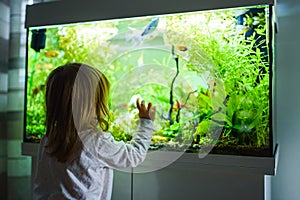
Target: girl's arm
[{"x": 122, "y": 155}]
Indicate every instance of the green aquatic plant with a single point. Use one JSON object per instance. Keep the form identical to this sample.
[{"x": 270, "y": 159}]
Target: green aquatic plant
[
  {"x": 239, "y": 63},
  {"x": 40, "y": 64},
  {"x": 228, "y": 75}
]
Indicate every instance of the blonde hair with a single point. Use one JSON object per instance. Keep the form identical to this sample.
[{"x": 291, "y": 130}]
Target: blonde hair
[{"x": 76, "y": 100}]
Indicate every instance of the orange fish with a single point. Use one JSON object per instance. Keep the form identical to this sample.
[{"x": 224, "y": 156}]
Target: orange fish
[
  {"x": 51, "y": 54},
  {"x": 181, "y": 48}
]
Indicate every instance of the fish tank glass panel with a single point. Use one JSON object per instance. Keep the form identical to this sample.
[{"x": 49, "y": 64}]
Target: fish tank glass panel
[{"x": 208, "y": 73}]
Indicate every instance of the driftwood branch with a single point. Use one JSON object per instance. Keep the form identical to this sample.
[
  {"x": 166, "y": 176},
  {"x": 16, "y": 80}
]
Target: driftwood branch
[{"x": 172, "y": 86}]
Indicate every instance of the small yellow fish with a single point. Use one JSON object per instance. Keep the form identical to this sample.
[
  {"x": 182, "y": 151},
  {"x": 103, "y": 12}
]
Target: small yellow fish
[
  {"x": 242, "y": 32},
  {"x": 141, "y": 60},
  {"x": 157, "y": 138},
  {"x": 51, "y": 54},
  {"x": 48, "y": 66}
]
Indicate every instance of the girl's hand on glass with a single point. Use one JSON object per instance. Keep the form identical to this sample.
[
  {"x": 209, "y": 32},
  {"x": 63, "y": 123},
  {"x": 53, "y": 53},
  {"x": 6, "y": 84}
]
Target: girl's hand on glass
[{"x": 146, "y": 112}]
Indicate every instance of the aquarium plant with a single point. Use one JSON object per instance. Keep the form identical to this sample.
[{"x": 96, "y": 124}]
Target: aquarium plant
[{"x": 208, "y": 73}]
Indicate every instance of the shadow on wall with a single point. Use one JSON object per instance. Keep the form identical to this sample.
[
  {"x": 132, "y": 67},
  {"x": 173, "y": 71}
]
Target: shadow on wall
[
  {"x": 19, "y": 188},
  {"x": 3, "y": 185}
]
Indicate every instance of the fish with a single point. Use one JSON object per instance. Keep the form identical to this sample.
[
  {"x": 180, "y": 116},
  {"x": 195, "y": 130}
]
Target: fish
[
  {"x": 177, "y": 106},
  {"x": 205, "y": 93},
  {"x": 150, "y": 27},
  {"x": 158, "y": 138},
  {"x": 38, "y": 89},
  {"x": 51, "y": 54},
  {"x": 138, "y": 36},
  {"x": 181, "y": 48},
  {"x": 141, "y": 60}
]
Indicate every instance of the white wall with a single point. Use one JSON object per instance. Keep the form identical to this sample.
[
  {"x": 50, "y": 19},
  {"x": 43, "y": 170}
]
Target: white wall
[{"x": 286, "y": 185}]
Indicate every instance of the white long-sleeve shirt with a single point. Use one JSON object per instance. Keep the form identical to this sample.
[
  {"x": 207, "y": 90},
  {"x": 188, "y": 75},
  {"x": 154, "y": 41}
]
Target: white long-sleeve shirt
[{"x": 89, "y": 174}]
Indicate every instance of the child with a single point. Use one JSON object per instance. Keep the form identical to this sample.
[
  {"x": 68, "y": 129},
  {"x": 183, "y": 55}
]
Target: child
[{"x": 76, "y": 156}]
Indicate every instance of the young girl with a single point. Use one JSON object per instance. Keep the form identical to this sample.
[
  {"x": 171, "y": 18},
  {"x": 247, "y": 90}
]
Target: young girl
[{"x": 76, "y": 156}]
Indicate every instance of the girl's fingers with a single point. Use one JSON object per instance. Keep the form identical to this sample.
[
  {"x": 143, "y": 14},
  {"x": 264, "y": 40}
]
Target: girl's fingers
[
  {"x": 143, "y": 103},
  {"x": 152, "y": 112},
  {"x": 138, "y": 103},
  {"x": 149, "y": 106}
]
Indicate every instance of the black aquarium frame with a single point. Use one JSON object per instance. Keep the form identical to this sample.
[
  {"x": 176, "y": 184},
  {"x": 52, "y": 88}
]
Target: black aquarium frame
[{"x": 77, "y": 11}]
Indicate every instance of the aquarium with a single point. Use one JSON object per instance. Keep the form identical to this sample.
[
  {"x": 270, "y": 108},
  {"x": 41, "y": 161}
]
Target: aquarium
[{"x": 209, "y": 73}]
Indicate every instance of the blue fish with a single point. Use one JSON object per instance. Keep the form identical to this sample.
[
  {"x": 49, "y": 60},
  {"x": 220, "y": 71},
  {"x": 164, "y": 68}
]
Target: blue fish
[{"x": 150, "y": 27}]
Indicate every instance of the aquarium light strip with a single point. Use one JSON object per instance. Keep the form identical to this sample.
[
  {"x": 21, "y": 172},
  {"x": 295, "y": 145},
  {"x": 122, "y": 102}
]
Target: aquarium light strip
[
  {"x": 131, "y": 18},
  {"x": 66, "y": 12}
]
